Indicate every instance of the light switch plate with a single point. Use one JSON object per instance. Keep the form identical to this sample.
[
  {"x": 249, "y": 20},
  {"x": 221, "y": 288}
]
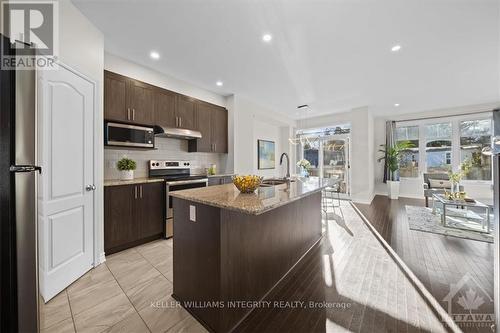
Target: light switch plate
[{"x": 192, "y": 213}]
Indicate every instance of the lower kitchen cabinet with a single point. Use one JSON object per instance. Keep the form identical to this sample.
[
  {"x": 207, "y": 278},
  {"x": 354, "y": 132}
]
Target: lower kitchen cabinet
[
  {"x": 219, "y": 180},
  {"x": 133, "y": 214},
  {"x": 150, "y": 210}
]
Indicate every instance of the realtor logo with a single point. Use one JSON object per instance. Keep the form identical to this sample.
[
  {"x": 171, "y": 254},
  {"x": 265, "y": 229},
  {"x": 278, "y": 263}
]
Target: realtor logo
[
  {"x": 469, "y": 304},
  {"x": 32, "y": 29}
]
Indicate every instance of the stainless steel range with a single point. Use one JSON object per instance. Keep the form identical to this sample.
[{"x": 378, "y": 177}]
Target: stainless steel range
[{"x": 177, "y": 175}]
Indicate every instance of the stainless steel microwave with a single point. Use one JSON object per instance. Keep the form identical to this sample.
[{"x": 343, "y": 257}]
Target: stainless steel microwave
[{"x": 126, "y": 135}]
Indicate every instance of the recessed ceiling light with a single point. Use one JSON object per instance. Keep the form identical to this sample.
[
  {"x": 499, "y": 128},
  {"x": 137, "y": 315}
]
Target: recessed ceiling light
[
  {"x": 396, "y": 48},
  {"x": 267, "y": 38},
  {"x": 219, "y": 83},
  {"x": 396, "y": 104},
  {"x": 154, "y": 55}
]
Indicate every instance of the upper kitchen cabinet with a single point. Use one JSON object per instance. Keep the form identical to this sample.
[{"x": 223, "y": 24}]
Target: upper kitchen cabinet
[
  {"x": 165, "y": 108},
  {"x": 204, "y": 115},
  {"x": 186, "y": 112},
  {"x": 140, "y": 96},
  {"x": 212, "y": 123},
  {"x": 219, "y": 130},
  {"x": 128, "y": 100},
  {"x": 115, "y": 97}
]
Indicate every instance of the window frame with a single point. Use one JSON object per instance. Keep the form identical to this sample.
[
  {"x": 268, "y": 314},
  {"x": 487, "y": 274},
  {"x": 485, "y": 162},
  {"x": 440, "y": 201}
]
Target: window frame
[{"x": 455, "y": 141}]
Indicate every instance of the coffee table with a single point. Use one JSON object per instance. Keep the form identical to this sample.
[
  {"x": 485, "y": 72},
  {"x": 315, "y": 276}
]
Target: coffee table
[{"x": 461, "y": 214}]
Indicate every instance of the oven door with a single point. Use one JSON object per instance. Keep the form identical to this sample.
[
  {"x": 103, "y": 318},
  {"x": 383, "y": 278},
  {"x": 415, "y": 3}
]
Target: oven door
[{"x": 178, "y": 186}]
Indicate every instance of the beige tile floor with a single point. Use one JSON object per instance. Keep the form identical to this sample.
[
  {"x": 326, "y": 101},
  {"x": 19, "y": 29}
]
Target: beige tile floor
[{"x": 130, "y": 292}]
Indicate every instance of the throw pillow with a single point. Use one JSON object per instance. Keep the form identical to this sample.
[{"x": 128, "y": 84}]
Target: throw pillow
[{"x": 440, "y": 183}]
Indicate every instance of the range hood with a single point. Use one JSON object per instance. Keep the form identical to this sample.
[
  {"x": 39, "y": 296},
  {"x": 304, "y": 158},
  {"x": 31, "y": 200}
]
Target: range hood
[{"x": 179, "y": 133}]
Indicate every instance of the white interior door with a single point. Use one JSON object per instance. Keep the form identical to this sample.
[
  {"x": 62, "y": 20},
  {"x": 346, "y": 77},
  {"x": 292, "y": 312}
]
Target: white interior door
[{"x": 66, "y": 207}]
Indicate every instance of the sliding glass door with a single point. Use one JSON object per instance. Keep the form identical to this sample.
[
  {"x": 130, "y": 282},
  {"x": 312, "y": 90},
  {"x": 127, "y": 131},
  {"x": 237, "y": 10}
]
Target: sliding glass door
[
  {"x": 329, "y": 158},
  {"x": 336, "y": 161}
]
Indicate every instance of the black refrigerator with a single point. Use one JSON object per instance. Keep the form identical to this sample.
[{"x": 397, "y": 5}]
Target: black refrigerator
[
  {"x": 496, "y": 210},
  {"x": 18, "y": 198}
]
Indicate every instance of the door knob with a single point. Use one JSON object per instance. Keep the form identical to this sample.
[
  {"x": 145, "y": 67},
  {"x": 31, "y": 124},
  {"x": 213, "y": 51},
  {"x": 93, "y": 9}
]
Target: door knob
[{"x": 90, "y": 187}]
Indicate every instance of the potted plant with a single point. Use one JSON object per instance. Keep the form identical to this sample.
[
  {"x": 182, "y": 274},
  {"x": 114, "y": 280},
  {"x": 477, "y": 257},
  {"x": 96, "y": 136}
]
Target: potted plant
[
  {"x": 392, "y": 157},
  {"x": 127, "y": 167},
  {"x": 304, "y": 166},
  {"x": 456, "y": 177}
]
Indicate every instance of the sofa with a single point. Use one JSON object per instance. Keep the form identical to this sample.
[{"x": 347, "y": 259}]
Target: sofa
[{"x": 436, "y": 183}]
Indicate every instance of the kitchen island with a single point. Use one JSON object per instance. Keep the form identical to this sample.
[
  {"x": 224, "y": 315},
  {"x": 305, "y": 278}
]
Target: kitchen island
[{"x": 232, "y": 249}]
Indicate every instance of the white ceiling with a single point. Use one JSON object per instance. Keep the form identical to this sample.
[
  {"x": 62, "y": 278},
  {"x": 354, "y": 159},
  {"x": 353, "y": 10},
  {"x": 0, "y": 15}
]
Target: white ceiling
[{"x": 333, "y": 55}]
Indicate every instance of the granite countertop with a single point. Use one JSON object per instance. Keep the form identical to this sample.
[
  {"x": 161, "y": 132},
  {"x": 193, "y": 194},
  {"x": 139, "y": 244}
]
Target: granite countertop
[
  {"x": 116, "y": 182},
  {"x": 264, "y": 199},
  {"x": 221, "y": 175}
]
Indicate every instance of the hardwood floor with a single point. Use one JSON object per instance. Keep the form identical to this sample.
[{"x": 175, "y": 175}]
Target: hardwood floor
[
  {"x": 352, "y": 273},
  {"x": 437, "y": 260}
]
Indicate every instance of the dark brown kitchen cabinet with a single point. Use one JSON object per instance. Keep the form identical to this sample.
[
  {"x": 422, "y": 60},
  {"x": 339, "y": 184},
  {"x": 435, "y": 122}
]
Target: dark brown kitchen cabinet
[
  {"x": 133, "y": 214},
  {"x": 150, "y": 209},
  {"x": 127, "y": 100},
  {"x": 165, "y": 108},
  {"x": 132, "y": 101},
  {"x": 204, "y": 113},
  {"x": 120, "y": 227},
  {"x": 186, "y": 112},
  {"x": 115, "y": 97},
  {"x": 212, "y": 123},
  {"x": 219, "y": 130},
  {"x": 140, "y": 97},
  {"x": 219, "y": 180}
]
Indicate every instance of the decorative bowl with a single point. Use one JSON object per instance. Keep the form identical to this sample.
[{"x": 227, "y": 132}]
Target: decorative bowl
[{"x": 247, "y": 183}]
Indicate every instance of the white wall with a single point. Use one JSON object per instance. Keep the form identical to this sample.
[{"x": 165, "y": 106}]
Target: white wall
[
  {"x": 125, "y": 67},
  {"x": 81, "y": 46},
  {"x": 413, "y": 188},
  {"x": 248, "y": 122}
]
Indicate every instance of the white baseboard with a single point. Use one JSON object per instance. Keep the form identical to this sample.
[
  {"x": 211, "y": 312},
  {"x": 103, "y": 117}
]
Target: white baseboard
[
  {"x": 365, "y": 201},
  {"x": 402, "y": 196},
  {"x": 102, "y": 258}
]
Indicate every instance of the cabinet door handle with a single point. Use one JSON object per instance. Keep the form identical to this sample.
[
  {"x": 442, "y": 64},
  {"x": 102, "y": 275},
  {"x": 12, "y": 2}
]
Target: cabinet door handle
[
  {"x": 128, "y": 113},
  {"x": 135, "y": 192},
  {"x": 133, "y": 114},
  {"x": 180, "y": 121},
  {"x": 176, "y": 121},
  {"x": 141, "y": 190}
]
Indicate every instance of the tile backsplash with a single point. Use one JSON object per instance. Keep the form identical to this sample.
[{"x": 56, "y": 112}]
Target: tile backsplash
[{"x": 167, "y": 149}]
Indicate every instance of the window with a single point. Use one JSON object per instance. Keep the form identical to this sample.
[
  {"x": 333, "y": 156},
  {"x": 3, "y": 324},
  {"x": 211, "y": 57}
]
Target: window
[
  {"x": 438, "y": 154},
  {"x": 474, "y": 136},
  {"x": 408, "y": 165}
]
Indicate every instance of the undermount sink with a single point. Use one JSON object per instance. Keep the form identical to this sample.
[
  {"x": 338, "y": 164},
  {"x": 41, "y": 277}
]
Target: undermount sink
[{"x": 274, "y": 182}]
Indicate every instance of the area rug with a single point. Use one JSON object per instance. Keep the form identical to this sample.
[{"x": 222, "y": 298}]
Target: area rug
[{"x": 422, "y": 219}]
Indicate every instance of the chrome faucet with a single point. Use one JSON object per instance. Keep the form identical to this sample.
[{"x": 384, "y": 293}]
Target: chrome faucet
[{"x": 287, "y": 164}]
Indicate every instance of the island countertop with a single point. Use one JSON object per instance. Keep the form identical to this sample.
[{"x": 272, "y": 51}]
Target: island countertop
[{"x": 264, "y": 199}]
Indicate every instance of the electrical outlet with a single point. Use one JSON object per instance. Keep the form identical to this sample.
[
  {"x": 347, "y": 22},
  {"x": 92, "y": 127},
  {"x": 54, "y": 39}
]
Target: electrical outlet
[{"x": 192, "y": 213}]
